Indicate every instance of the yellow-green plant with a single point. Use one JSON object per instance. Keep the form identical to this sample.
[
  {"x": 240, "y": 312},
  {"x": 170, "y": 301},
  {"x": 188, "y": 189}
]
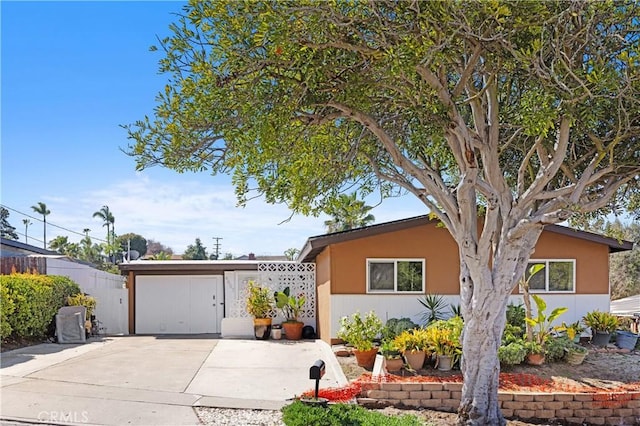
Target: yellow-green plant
[
  {"x": 82, "y": 299},
  {"x": 602, "y": 322},
  {"x": 259, "y": 301},
  {"x": 541, "y": 323},
  {"x": 412, "y": 340}
]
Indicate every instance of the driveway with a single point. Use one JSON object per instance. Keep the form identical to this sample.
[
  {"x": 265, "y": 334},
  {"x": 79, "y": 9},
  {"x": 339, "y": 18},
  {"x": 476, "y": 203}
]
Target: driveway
[{"x": 156, "y": 380}]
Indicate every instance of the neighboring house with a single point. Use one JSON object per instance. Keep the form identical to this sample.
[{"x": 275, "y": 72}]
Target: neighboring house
[
  {"x": 108, "y": 289},
  {"x": 387, "y": 267},
  {"x": 383, "y": 267},
  {"x": 626, "y": 307}
]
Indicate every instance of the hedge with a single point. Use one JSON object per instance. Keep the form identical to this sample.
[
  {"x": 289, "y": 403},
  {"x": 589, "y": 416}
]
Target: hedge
[{"x": 30, "y": 303}]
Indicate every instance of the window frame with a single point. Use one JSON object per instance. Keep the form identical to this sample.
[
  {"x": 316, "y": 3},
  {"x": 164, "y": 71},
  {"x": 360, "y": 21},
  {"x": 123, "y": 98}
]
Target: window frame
[
  {"x": 546, "y": 269},
  {"x": 395, "y": 275}
]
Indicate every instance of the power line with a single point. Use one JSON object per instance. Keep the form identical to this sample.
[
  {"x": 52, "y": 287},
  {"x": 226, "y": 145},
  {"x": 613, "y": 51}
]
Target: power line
[{"x": 82, "y": 234}]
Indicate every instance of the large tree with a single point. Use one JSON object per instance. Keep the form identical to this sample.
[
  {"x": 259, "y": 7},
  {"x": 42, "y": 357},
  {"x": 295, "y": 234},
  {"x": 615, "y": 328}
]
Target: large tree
[
  {"x": 134, "y": 242},
  {"x": 517, "y": 114},
  {"x": 195, "y": 251},
  {"x": 347, "y": 212},
  {"x": 6, "y": 229}
]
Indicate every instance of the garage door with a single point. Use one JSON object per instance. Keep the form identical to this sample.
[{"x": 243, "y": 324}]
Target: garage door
[{"x": 179, "y": 304}]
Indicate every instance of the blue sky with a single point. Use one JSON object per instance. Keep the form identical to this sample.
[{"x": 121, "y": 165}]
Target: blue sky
[{"x": 72, "y": 72}]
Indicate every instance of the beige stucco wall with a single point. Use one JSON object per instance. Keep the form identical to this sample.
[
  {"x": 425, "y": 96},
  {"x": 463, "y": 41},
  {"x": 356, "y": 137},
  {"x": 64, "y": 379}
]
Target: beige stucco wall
[{"x": 323, "y": 295}]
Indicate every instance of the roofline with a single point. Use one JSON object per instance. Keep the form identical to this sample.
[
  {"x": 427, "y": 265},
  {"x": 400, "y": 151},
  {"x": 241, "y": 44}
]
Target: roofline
[
  {"x": 24, "y": 246},
  {"x": 314, "y": 245},
  {"x": 192, "y": 265}
]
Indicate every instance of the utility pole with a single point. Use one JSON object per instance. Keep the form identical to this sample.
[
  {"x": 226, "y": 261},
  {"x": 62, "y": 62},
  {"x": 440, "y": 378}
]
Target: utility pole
[{"x": 216, "y": 247}]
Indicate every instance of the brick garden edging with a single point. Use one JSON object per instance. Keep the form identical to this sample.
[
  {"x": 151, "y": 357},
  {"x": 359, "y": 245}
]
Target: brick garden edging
[{"x": 615, "y": 408}]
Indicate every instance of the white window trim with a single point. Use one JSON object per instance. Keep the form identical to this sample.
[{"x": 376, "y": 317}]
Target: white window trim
[
  {"x": 546, "y": 276},
  {"x": 395, "y": 275}
]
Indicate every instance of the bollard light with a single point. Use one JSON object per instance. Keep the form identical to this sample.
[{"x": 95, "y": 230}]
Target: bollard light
[{"x": 316, "y": 372}]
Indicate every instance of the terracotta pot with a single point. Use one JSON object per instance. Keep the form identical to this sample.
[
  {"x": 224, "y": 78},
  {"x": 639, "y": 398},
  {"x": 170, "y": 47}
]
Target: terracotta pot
[
  {"x": 535, "y": 359},
  {"x": 262, "y": 328},
  {"x": 366, "y": 359},
  {"x": 293, "y": 330},
  {"x": 393, "y": 364},
  {"x": 415, "y": 359}
]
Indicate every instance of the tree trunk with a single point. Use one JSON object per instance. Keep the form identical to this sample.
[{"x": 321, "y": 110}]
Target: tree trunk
[{"x": 479, "y": 403}]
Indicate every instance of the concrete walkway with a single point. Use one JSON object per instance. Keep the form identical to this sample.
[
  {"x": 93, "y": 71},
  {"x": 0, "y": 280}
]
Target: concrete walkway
[{"x": 156, "y": 380}]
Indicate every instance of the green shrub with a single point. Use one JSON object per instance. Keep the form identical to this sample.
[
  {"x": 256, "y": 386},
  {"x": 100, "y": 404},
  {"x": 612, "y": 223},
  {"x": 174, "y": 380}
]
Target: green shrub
[
  {"x": 395, "y": 326},
  {"x": 511, "y": 333},
  {"x": 554, "y": 348},
  {"x": 300, "y": 414},
  {"x": 6, "y": 309},
  {"x": 512, "y": 354},
  {"x": 36, "y": 299},
  {"x": 516, "y": 315}
]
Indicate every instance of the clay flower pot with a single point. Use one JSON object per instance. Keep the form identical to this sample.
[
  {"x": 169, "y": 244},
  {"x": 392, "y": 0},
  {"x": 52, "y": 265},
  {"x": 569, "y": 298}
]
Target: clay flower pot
[
  {"x": 415, "y": 359},
  {"x": 366, "y": 359},
  {"x": 293, "y": 329}
]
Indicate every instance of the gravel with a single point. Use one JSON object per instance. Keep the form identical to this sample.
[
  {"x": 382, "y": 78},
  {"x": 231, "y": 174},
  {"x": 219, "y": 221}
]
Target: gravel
[{"x": 235, "y": 417}]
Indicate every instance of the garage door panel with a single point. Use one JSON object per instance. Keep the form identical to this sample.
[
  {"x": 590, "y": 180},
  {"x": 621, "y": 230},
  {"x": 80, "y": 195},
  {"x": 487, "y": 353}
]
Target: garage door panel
[{"x": 177, "y": 304}]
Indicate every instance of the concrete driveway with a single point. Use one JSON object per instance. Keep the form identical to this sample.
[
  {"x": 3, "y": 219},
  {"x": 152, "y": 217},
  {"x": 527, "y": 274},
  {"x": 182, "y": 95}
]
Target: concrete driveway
[{"x": 156, "y": 380}]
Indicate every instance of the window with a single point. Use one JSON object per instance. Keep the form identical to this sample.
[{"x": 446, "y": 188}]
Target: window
[
  {"x": 395, "y": 275},
  {"x": 556, "y": 276}
]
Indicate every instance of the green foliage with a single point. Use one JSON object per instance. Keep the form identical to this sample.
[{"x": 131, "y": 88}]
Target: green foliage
[
  {"x": 300, "y": 414},
  {"x": 513, "y": 353},
  {"x": 511, "y": 333},
  {"x": 389, "y": 350},
  {"x": 395, "y": 326},
  {"x": 434, "y": 305},
  {"x": 516, "y": 315},
  {"x": 541, "y": 323},
  {"x": 6, "y": 309},
  {"x": 290, "y": 306},
  {"x": 602, "y": 322},
  {"x": 348, "y": 212},
  {"x": 360, "y": 332},
  {"x": 554, "y": 348},
  {"x": 443, "y": 337},
  {"x": 6, "y": 229},
  {"x": 134, "y": 241},
  {"x": 195, "y": 251},
  {"x": 36, "y": 300},
  {"x": 82, "y": 299}
]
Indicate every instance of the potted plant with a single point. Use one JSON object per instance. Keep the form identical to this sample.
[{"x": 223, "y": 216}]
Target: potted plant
[
  {"x": 443, "y": 338},
  {"x": 360, "y": 333},
  {"x": 541, "y": 330},
  {"x": 260, "y": 307},
  {"x": 290, "y": 307},
  {"x": 392, "y": 356},
  {"x": 413, "y": 345},
  {"x": 575, "y": 354},
  {"x": 602, "y": 324}
]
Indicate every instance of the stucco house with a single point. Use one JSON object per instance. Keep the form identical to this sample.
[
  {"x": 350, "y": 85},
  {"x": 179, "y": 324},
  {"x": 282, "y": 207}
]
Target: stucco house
[{"x": 384, "y": 267}]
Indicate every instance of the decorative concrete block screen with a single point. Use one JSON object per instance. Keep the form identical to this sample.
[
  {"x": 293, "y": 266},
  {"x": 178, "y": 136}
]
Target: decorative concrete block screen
[{"x": 299, "y": 277}]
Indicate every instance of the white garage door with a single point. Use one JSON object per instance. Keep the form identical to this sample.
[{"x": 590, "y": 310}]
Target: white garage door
[{"x": 179, "y": 304}]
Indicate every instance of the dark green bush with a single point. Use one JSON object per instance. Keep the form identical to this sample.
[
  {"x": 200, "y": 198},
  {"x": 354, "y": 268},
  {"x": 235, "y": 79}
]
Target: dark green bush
[
  {"x": 512, "y": 354},
  {"x": 36, "y": 299},
  {"x": 300, "y": 414},
  {"x": 554, "y": 348},
  {"x": 516, "y": 315},
  {"x": 395, "y": 326}
]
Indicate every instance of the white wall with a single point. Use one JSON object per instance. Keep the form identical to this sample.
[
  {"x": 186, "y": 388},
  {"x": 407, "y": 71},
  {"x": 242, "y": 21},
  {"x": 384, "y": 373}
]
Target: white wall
[
  {"x": 112, "y": 307},
  {"x": 400, "y": 306}
]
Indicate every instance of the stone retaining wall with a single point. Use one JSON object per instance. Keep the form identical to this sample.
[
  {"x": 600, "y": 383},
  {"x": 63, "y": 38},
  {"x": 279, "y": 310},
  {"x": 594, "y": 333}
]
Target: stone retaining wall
[{"x": 592, "y": 408}]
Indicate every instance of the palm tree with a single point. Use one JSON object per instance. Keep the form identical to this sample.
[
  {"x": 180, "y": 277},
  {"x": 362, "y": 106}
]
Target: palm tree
[
  {"x": 109, "y": 221},
  {"x": 348, "y": 213},
  {"x": 26, "y": 222},
  {"x": 42, "y": 209}
]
